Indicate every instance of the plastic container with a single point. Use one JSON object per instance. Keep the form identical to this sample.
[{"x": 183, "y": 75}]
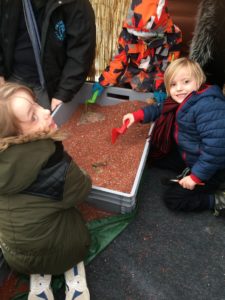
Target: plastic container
[{"x": 103, "y": 198}]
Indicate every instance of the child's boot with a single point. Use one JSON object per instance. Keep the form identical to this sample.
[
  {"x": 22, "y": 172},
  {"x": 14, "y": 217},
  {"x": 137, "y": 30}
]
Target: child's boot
[
  {"x": 76, "y": 285},
  {"x": 219, "y": 208},
  {"x": 40, "y": 287}
]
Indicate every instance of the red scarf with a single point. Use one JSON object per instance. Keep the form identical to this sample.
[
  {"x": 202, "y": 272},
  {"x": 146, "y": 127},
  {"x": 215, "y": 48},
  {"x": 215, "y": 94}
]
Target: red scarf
[{"x": 162, "y": 135}]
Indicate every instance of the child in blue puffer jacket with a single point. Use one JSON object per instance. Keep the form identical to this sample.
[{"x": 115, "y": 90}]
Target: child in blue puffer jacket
[{"x": 194, "y": 114}]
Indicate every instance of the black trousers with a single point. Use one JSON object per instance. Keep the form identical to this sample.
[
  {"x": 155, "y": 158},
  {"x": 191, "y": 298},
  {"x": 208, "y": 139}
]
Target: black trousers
[{"x": 179, "y": 199}]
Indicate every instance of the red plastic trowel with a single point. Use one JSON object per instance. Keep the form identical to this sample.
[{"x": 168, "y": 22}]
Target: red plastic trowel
[{"x": 117, "y": 131}]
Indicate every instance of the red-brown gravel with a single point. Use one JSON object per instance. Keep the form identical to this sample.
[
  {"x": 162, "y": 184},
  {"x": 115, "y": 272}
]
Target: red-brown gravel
[{"x": 112, "y": 166}]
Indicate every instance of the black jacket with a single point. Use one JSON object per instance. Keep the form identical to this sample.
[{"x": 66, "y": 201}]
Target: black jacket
[{"x": 68, "y": 37}]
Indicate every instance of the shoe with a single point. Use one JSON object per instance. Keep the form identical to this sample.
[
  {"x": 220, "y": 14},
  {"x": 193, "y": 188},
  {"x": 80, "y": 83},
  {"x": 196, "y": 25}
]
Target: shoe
[
  {"x": 40, "y": 287},
  {"x": 76, "y": 285},
  {"x": 219, "y": 208}
]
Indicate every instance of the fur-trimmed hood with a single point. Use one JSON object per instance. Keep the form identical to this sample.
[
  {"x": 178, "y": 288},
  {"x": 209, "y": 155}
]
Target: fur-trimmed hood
[
  {"x": 208, "y": 37},
  {"x": 5, "y": 143}
]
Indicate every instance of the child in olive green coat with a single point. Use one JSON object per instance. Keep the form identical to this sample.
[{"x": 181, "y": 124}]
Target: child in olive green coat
[{"x": 41, "y": 229}]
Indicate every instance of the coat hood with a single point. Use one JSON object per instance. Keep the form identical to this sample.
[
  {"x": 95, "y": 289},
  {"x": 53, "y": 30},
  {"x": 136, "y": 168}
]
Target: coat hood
[
  {"x": 212, "y": 91},
  {"x": 148, "y": 17}
]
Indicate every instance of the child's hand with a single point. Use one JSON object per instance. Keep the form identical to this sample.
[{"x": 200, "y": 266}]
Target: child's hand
[
  {"x": 187, "y": 183},
  {"x": 129, "y": 117},
  {"x": 54, "y": 103},
  {"x": 97, "y": 87}
]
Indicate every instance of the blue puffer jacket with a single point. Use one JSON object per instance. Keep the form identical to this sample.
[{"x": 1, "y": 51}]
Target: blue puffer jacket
[{"x": 200, "y": 132}]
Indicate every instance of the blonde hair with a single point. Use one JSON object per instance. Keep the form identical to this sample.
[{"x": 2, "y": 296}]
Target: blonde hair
[
  {"x": 9, "y": 125},
  {"x": 180, "y": 63}
]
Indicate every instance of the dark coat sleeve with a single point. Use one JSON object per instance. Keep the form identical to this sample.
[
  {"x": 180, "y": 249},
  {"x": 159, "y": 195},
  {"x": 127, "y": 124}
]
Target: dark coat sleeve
[
  {"x": 80, "y": 48},
  {"x": 152, "y": 112}
]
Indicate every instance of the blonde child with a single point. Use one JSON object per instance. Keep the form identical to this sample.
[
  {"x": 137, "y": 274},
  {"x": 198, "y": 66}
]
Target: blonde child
[
  {"x": 194, "y": 113},
  {"x": 41, "y": 230}
]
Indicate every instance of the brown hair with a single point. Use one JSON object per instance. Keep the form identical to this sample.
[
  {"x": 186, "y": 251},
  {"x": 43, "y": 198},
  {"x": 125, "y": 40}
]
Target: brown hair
[{"x": 179, "y": 64}]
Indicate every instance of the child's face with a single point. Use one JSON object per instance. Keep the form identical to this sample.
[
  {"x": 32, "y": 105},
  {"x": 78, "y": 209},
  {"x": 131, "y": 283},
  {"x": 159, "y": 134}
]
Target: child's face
[
  {"x": 182, "y": 84},
  {"x": 31, "y": 116}
]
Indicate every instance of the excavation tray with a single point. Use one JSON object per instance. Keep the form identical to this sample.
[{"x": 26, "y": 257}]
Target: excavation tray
[{"x": 103, "y": 198}]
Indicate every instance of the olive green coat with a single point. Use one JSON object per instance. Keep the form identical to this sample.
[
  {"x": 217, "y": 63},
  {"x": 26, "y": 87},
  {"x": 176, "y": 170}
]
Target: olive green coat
[{"x": 37, "y": 234}]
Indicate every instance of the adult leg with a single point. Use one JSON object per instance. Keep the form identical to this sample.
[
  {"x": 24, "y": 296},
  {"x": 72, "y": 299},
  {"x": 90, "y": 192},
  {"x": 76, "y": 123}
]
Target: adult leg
[{"x": 42, "y": 97}]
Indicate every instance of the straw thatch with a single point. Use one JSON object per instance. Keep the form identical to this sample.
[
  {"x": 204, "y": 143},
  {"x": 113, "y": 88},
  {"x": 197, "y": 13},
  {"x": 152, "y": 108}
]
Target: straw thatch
[{"x": 109, "y": 15}]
